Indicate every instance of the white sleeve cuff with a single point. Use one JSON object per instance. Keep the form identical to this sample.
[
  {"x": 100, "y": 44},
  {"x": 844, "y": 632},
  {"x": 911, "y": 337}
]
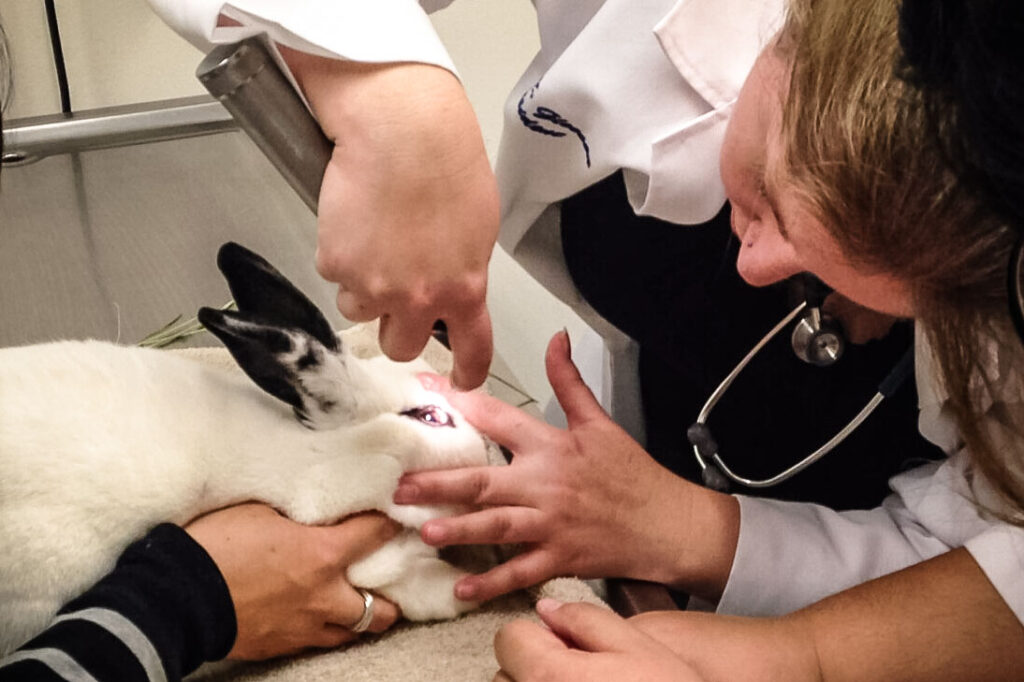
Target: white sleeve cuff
[
  {"x": 1000, "y": 554},
  {"x": 792, "y": 554},
  {"x": 368, "y": 31}
]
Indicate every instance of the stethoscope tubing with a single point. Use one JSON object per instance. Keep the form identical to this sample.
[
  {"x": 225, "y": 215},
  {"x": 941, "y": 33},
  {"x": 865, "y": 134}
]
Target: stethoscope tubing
[{"x": 705, "y": 448}]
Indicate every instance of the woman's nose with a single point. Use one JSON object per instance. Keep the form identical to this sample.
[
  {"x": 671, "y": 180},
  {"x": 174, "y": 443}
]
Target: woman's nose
[{"x": 764, "y": 257}]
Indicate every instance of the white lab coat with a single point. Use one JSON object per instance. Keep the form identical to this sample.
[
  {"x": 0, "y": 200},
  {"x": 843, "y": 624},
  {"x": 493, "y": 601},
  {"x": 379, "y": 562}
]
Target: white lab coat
[
  {"x": 792, "y": 554},
  {"x": 657, "y": 107}
]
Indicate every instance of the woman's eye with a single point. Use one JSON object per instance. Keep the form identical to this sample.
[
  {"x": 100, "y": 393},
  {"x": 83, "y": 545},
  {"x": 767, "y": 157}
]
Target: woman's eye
[{"x": 431, "y": 415}]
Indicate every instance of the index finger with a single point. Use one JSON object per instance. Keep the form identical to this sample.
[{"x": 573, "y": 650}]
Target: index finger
[
  {"x": 589, "y": 627},
  {"x": 499, "y": 421},
  {"x": 358, "y": 535},
  {"x": 472, "y": 344},
  {"x": 469, "y": 485}
]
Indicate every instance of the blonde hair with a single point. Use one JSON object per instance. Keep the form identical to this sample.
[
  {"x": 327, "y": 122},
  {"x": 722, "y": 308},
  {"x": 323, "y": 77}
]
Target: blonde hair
[{"x": 861, "y": 151}]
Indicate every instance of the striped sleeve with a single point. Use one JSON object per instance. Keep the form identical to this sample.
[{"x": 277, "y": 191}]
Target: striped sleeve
[{"x": 162, "y": 612}]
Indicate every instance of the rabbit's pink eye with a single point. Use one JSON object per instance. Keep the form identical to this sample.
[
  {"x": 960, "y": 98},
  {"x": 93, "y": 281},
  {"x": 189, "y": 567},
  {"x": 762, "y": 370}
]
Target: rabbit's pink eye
[{"x": 431, "y": 415}]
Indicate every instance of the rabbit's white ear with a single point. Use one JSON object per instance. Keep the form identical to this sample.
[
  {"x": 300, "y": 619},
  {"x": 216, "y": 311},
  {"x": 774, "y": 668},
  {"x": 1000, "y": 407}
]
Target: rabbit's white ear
[{"x": 281, "y": 340}]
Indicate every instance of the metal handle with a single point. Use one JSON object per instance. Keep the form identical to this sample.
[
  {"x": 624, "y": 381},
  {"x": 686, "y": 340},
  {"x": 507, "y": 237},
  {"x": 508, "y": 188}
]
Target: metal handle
[
  {"x": 247, "y": 80},
  {"x": 30, "y": 139}
]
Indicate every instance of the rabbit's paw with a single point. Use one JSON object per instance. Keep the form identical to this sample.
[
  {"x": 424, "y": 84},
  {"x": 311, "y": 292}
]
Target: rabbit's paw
[
  {"x": 415, "y": 515},
  {"x": 427, "y": 592},
  {"x": 344, "y": 485},
  {"x": 409, "y": 573}
]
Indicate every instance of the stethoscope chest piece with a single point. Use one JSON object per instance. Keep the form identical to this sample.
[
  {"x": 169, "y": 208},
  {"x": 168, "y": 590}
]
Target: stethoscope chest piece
[{"x": 818, "y": 339}]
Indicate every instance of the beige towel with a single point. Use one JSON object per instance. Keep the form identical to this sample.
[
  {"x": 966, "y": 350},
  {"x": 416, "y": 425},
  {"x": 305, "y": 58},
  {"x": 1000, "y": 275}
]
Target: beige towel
[{"x": 439, "y": 652}]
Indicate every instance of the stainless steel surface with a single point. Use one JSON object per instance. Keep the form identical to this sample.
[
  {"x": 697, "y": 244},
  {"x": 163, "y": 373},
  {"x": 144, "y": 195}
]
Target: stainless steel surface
[
  {"x": 114, "y": 243},
  {"x": 246, "y": 79},
  {"x": 30, "y": 139}
]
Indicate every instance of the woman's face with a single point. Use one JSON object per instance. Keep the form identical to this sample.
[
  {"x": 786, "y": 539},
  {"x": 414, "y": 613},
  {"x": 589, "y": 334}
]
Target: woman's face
[{"x": 778, "y": 236}]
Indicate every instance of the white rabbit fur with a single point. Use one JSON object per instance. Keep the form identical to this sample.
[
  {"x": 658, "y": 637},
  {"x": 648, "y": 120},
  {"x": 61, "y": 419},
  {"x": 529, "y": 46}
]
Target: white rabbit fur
[{"x": 99, "y": 443}]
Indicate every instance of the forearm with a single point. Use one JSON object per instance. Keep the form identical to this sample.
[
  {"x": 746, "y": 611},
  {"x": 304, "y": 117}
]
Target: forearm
[
  {"x": 938, "y": 620},
  {"x": 162, "y": 612},
  {"x": 734, "y": 648},
  {"x": 363, "y": 104},
  {"x": 693, "y": 533},
  {"x": 400, "y": 101}
]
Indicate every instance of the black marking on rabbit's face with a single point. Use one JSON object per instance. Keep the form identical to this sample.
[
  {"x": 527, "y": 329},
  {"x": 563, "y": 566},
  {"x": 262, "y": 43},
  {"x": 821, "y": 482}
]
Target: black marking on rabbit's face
[
  {"x": 310, "y": 359},
  {"x": 431, "y": 415},
  {"x": 324, "y": 405}
]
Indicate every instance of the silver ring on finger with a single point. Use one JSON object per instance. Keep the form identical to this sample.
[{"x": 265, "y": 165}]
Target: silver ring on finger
[{"x": 363, "y": 624}]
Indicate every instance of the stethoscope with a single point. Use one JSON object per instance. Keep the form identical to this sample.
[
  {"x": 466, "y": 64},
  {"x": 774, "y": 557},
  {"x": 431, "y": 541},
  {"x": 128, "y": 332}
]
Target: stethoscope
[{"x": 816, "y": 339}]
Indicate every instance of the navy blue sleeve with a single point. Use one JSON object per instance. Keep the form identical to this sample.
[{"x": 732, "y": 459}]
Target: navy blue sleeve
[{"x": 162, "y": 612}]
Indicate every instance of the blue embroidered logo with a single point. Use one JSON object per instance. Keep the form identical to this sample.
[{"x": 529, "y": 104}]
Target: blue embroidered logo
[{"x": 551, "y": 116}]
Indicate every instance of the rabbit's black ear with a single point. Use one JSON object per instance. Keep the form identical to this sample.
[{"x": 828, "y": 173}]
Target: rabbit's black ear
[
  {"x": 287, "y": 364},
  {"x": 256, "y": 348},
  {"x": 262, "y": 294}
]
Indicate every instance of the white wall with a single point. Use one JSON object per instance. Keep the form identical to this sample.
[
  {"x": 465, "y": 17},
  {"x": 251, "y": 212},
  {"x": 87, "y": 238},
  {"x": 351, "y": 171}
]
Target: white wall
[
  {"x": 116, "y": 52},
  {"x": 119, "y": 52}
]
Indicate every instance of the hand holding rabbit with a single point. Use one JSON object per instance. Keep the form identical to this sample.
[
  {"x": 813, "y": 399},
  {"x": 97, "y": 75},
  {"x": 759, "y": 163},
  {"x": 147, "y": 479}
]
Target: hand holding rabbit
[
  {"x": 586, "y": 501},
  {"x": 287, "y": 581}
]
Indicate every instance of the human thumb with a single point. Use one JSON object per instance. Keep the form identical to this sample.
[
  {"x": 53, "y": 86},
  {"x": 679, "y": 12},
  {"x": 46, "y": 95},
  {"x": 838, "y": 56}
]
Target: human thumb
[
  {"x": 588, "y": 627},
  {"x": 577, "y": 400}
]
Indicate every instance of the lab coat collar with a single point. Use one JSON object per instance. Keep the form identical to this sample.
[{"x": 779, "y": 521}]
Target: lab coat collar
[{"x": 714, "y": 44}]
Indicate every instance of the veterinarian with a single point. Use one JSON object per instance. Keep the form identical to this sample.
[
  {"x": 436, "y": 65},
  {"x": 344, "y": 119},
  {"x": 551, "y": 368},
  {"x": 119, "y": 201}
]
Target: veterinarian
[
  {"x": 627, "y": 141},
  {"x": 834, "y": 165}
]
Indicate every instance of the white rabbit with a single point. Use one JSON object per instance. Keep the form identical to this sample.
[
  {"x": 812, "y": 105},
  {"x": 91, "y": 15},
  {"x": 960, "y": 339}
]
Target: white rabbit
[{"x": 99, "y": 443}]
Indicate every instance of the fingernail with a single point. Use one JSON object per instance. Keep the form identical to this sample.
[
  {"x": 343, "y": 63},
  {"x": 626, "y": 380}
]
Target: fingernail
[
  {"x": 432, "y": 534},
  {"x": 455, "y": 399},
  {"x": 465, "y": 591},
  {"x": 405, "y": 493},
  {"x": 547, "y": 605}
]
